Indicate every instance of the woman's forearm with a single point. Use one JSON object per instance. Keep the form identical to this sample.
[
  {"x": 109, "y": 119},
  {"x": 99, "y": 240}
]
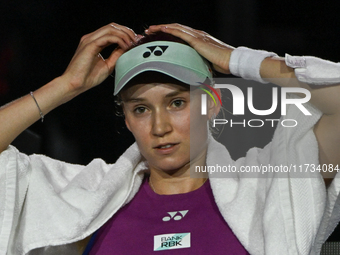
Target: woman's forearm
[
  {"x": 86, "y": 70},
  {"x": 325, "y": 98},
  {"x": 18, "y": 115}
]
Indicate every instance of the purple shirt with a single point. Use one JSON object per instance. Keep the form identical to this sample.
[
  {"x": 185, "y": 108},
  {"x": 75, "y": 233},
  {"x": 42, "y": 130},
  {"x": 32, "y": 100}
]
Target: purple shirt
[{"x": 187, "y": 223}]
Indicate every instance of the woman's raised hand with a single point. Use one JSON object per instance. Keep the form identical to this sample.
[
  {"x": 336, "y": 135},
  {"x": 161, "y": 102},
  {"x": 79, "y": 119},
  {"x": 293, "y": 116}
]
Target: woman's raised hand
[
  {"x": 88, "y": 68},
  {"x": 214, "y": 50}
]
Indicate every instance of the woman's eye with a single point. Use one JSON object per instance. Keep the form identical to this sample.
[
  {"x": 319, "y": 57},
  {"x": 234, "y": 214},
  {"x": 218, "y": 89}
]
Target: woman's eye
[
  {"x": 140, "y": 110},
  {"x": 178, "y": 103}
]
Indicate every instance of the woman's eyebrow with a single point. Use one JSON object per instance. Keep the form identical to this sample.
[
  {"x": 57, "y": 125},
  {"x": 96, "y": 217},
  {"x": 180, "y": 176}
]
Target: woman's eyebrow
[
  {"x": 134, "y": 99},
  {"x": 175, "y": 93},
  {"x": 142, "y": 99}
]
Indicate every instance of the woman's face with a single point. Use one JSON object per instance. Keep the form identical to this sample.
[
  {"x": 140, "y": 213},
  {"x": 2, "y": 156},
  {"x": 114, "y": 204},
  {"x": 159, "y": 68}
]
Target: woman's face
[{"x": 159, "y": 116}]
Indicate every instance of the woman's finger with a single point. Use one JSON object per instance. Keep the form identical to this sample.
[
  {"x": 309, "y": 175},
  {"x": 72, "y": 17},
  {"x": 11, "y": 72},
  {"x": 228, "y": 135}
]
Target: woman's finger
[
  {"x": 133, "y": 36},
  {"x": 127, "y": 30},
  {"x": 112, "y": 59},
  {"x": 83, "y": 60},
  {"x": 185, "y": 35},
  {"x": 196, "y": 33},
  {"x": 212, "y": 49},
  {"x": 173, "y": 25},
  {"x": 125, "y": 33}
]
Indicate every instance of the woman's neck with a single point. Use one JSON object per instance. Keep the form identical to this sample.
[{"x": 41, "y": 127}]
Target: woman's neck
[
  {"x": 175, "y": 185},
  {"x": 177, "y": 181}
]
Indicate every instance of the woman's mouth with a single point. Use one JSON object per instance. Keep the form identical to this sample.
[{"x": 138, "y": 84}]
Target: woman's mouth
[{"x": 166, "y": 148}]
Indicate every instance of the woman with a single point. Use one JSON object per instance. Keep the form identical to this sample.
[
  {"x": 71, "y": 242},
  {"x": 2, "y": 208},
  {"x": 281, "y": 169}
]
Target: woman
[{"x": 267, "y": 215}]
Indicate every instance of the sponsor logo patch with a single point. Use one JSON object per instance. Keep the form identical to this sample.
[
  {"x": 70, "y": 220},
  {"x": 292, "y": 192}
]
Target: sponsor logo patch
[{"x": 171, "y": 241}]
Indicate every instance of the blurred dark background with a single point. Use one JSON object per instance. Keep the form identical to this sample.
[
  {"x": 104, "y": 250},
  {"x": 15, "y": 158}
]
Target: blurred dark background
[{"x": 38, "y": 39}]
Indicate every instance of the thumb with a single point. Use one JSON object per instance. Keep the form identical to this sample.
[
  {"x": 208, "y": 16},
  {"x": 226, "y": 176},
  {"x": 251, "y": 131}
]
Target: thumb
[{"x": 112, "y": 59}]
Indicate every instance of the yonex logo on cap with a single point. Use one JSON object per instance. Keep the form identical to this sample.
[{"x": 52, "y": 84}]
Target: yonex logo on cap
[{"x": 156, "y": 50}]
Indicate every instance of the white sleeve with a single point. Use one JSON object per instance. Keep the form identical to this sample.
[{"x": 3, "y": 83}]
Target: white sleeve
[
  {"x": 63, "y": 203},
  {"x": 275, "y": 211},
  {"x": 279, "y": 212},
  {"x": 14, "y": 179},
  {"x": 314, "y": 208},
  {"x": 15, "y": 174},
  {"x": 313, "y": 70}
]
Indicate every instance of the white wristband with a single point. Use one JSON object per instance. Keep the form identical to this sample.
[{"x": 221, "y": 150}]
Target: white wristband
[
  {"x": 313, "y": 70},
  {"x": 246, "y": 63}
]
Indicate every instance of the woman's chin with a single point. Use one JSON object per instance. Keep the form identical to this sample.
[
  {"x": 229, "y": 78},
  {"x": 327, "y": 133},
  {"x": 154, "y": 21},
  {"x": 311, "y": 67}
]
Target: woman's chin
[{"x": 172, "y": 168}]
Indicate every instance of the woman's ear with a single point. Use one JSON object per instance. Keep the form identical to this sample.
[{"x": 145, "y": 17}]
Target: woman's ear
[
  {"x": 127, "y": 125},
  {"x": 125, "y": 119},
  {"x": 214, "y": 109}
]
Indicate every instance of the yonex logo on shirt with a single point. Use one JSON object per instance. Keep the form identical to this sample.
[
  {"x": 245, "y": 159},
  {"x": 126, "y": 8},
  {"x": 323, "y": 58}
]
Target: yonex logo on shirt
[
  {"x": 156, "y": 50},
  {"x": 174, "y": 216}
]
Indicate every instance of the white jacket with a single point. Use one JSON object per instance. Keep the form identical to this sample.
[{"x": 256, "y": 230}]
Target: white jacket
[{"x": 51, "y": 204}]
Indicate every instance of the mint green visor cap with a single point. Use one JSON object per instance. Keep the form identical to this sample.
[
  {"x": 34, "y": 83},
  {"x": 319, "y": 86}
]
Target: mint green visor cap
[{"x": 174, "y": 59}]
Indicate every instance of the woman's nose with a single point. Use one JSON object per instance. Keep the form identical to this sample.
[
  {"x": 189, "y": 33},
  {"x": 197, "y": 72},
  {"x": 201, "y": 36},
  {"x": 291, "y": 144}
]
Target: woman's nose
[{"x": 161, "y": 123}]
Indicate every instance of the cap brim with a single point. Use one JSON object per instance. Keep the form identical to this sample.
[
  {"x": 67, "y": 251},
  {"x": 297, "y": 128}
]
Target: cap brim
[
  {"x": 185, "y": 75},
  {"x": 177, "y": 60}
]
